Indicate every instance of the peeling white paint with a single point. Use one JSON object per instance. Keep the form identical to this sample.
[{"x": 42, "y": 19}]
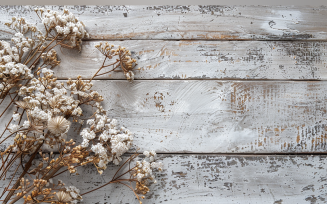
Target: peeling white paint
[{"x": 214, "y": 178}]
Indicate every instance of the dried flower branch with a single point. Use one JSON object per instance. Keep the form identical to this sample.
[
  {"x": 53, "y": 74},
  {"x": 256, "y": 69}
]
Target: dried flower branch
[
  {"x": 29, "y": 46},
  {"x": 141, "y": 174},
  {"x": 123, "y": 60},
  {"x": 47, "y": 108}
]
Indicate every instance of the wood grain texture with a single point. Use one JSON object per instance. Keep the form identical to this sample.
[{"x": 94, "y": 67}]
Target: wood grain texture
[
  {"x": 157, "y": 59},
  {"x": 191, "y": 22},
  {"x": 220, "y": 116},
  {"x": 187, "y": 101},
  {"x": 216, "y": 179}
]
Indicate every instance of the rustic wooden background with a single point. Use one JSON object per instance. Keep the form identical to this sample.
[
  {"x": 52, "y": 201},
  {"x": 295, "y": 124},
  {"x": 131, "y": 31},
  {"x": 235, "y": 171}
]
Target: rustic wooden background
[{"x": 233, "y": 98}]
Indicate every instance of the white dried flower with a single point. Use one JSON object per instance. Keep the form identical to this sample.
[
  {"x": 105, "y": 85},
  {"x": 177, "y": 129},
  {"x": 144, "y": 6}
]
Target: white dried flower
[
  {"x": 26, "y": 124},
  {"x": 74, "y": 194},
  {"x": 88, "y": 134},
  {"x": 99, "y": 149},
  {"x": 146, "y": 153},
  {"x": 16, "y": 116},
  {"x": 140, "y": 177},
  {"x": 25, "y": 49},
  {"x": 13, "y": 127}
]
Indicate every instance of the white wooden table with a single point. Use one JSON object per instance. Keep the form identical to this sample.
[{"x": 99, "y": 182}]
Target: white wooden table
[{"x": 233, "y": 98}]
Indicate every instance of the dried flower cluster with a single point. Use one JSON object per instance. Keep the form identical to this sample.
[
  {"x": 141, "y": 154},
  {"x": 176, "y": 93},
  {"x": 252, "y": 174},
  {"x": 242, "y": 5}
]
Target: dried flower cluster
[
  {"x": 46, "y": 109},
  {"x": 143, "y": 171},
  {"x": 123, "y": 60},
  {"x": 65, "y": 25},
  {"x": 44, "y": 191}
]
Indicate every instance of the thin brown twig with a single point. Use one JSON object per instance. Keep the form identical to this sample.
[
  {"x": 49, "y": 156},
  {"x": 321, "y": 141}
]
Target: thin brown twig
[
  {"x": 6, "y": 127},
  {"x": 130, "y": 158}
]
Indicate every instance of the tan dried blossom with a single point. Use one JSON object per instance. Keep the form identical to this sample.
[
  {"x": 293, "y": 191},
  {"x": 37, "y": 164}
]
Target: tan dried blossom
[
  {"x": 63, "y": 197},
  {"x": 22, "y": 104},
  {"x": 50, "y": 58},
  {"x": 58, "y": 125},
  {"x": 54, "y": 101}
]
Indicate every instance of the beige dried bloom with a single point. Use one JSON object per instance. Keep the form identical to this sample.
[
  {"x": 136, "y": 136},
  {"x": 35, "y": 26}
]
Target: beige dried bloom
[
  {"x": 22, "y": 104},
  {"x": 58, "y": 125},
  {"x": 50, "y": 58},
  {"x": 63, "y": 197}
]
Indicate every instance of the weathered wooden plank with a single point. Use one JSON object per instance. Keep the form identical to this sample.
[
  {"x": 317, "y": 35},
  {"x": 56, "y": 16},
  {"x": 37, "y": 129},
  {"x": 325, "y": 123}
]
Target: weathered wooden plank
[
  {"x": 206, "y": 60},
  {"x": 192, "y": 22},
  {"x": 220, "y": 116},
  {"x": 216, "y": 178}
]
